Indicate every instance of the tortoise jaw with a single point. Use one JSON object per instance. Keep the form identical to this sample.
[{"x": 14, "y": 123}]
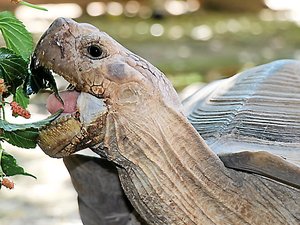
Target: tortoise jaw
[
  {"x": 42, "y": 75},
  {"x": 70, "y": 131},
  {"x": 60, "y": 138}
]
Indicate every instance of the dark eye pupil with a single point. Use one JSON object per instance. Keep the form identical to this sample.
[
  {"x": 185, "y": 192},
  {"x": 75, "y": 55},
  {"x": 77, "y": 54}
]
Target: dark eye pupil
[{"x": 94, "y": 51}]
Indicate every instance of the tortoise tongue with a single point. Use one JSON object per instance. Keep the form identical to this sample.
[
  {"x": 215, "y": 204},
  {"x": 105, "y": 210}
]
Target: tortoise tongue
[{"x": 70, "y": 102}]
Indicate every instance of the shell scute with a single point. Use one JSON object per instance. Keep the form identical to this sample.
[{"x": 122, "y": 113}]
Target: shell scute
[{"x": 258, "y": 109}]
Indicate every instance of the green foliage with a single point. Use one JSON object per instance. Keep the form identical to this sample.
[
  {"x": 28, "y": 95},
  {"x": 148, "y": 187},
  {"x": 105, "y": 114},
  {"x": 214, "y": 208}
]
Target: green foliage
[
  {"x": 39, "y": 78},
  {"x": 13, "y": 69},
  {"x": 21, "y": 98},
  {"x": 21, "y": 138},
  {"x": 35, "y": 125},
  {"x": 16, "y": 37},
  {"x": 24, "y": 135},
  {"x": 10, "y": 167},
  {"x": 16, "y": 79},
  {"x": 20, "y": 135}
]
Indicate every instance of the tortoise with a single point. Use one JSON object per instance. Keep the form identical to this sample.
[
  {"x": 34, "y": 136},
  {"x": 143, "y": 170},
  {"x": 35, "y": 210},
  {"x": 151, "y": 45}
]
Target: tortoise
[{"x": 125, "y": 110}]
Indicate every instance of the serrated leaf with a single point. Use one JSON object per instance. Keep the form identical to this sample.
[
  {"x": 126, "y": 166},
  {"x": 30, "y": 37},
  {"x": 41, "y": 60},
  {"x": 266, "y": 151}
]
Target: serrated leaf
[
  {"x": 39, "y": 78},
  {"x": 13, "y": 69},
  {"x": 6, "y": 126},
  {"x": 21, "y": 98},
  {"x": 21, "y": 138},
  {"x": 16, "y": 37},
  {"x": 10, "y": 167}
]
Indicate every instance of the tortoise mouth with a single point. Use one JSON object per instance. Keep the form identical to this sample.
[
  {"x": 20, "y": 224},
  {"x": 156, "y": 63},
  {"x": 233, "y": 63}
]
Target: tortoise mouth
[{"x": 82, "y": 113}]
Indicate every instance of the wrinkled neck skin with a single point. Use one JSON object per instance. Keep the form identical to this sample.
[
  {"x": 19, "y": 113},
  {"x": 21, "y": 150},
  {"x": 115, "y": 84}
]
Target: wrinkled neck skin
[{"x": 171, "y": 176}]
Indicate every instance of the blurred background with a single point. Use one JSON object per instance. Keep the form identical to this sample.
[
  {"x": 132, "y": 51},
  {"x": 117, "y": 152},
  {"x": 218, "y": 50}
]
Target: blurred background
[{"x": 191, "y": 41}]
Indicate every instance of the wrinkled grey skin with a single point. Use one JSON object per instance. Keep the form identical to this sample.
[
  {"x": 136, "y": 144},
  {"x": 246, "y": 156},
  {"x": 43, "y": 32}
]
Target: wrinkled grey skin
[
  {"x": 124, "y": 82},
  {"x": 170, "y": 178},
  {"x": 51, "y": 139}
]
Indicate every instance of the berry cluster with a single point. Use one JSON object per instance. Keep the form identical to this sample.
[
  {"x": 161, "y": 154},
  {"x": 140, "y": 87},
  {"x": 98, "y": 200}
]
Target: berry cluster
[
  {"x": 18, "y": 110},
  {"x": 7, "y": 183},
  {"x": 3, "y": 87}
]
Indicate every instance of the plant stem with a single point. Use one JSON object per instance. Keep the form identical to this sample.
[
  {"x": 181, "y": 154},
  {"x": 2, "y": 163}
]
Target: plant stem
[
  {"x": 33, "y": 6},
  {"x": 1, "y": 171},
  {"x": 2, "y": 103}
]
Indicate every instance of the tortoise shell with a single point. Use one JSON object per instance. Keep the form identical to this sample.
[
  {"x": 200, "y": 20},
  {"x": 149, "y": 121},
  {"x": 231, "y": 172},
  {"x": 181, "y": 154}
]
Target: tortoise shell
[{"x": 258, "y": 109}]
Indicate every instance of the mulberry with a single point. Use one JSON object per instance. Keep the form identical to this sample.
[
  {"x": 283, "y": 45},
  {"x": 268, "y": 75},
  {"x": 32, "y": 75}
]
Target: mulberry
[
  {"x": 3, "y": 87},
  {"x": 7, "y": 183},
  {"x": 19, "y": 110}
]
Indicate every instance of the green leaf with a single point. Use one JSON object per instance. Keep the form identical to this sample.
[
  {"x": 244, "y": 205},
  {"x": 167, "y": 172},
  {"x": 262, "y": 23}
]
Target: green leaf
[
  {"x": 39, "y": 78},
  {"x": 6, "y": 126},
  {"x": 10, "y": 167},
  {"x": 21, "y": 138},
  {"x": 13, "y": 69},
  {"x": 16, "y": 37},
  {"x": 21, "y": 98}
]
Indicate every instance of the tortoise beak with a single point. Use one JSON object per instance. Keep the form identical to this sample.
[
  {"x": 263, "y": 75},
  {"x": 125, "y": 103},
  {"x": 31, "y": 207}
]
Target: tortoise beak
[{"x": 50, "y": 53}]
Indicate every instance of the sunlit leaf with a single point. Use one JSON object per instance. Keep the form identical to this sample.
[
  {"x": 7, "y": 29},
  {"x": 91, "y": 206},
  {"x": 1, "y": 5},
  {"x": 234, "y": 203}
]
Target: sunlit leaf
[
  {"x": 10, "y": 167},
  {"x": 21, "y": 138},
  {"x": 21, "y": 98},
  {"x": 16, "y": 37},
  {"x": 13, "y": 69},
  {"x": 6, "y": 126}
]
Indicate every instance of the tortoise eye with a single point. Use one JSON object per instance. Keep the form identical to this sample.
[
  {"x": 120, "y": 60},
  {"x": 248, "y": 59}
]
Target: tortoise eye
[{"x": 95, "y": 51}]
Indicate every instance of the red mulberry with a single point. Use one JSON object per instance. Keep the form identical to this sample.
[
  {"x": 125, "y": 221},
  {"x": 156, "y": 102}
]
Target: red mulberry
[
  {"x": 19, "y": 110},
  {"x": 3, "y": 87},
  {"x": 8, "y": 183}
]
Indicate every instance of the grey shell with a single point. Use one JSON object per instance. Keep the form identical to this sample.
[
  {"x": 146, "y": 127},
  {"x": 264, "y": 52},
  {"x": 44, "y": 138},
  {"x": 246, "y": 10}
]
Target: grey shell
[{"x": 258, "y": 109}]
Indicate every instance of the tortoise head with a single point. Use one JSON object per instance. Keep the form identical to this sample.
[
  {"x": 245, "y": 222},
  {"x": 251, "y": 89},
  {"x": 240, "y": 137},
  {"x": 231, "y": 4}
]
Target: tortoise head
[{"x": 129, "y": 87}]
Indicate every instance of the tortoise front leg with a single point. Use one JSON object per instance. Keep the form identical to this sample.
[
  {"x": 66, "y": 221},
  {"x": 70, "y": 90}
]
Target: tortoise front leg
[{"x": 100, "y": 196}]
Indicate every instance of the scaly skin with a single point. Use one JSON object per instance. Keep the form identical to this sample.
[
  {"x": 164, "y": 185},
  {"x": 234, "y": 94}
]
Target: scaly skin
[{"x": 167, "y": 171}]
